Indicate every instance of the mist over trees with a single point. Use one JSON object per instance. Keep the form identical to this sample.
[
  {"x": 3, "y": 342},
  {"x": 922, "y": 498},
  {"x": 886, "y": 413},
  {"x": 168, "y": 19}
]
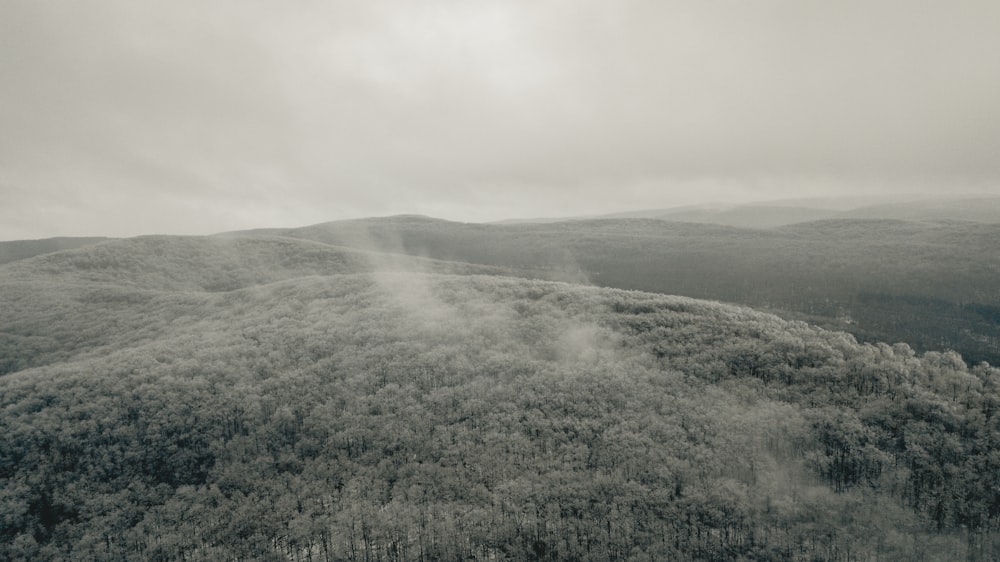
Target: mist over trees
[
  {"x": 930, "y": 284},
  {"x": 262, "y": 398}
]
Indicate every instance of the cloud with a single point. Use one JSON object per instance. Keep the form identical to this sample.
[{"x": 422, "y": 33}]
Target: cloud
[{"x": 196, "y": 117}]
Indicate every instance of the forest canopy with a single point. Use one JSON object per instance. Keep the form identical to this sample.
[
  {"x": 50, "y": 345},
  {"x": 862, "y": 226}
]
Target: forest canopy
[{"x": 261, "y": 397}]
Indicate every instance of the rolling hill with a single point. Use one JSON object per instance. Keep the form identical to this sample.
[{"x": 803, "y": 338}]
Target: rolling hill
[
  {"x": 58, "y": 303},
  {"x": 21, "y": 249},
  {"x": 271, "y": 398},
  {"x": 932, "y": 285}
]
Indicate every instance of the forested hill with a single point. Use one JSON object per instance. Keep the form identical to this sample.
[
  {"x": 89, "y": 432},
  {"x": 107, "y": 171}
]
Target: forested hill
[
  {"x": 195, "y": 403},
  {"x": 933, "y": 285},
  {"x": 55, "y": 305},
  {"x": 14, "y": 250},
  {"x": 214, "y": 263}
]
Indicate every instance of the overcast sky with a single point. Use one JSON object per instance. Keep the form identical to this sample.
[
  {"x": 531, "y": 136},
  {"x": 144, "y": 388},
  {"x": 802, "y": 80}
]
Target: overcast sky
[{"x": 194, "y": 116}]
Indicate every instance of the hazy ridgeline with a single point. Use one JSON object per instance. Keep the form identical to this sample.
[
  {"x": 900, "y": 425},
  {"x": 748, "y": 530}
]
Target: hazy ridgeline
[
  {"x": 397, "y": 389},
  {"x": 934, "y": 285}
]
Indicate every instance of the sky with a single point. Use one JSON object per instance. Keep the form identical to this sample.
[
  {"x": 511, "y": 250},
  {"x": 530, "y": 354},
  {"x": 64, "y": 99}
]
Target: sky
[{"x": 128, "y": 117}]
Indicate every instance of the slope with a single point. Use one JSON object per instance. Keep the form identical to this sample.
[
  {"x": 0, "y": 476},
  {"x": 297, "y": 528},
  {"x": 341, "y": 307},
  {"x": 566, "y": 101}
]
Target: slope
[
  {"x": 56, "y": 305},
  {"x": 932, "y": 285},
  {"x": 14, "y": 250}
]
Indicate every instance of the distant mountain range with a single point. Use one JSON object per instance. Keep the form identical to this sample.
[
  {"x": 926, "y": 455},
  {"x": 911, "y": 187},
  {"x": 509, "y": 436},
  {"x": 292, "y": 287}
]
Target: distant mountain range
[{"x": 781, "y": 213}]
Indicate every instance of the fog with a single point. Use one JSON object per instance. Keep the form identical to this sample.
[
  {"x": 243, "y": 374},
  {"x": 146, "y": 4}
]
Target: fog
[{"x": 123, "y": 118}]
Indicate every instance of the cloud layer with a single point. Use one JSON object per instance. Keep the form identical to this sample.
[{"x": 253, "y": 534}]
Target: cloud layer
[{"x": 121, "y": 117}]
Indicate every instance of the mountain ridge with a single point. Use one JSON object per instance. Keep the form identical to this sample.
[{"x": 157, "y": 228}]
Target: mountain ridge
[
  {"x": 824, "y": 271},
  {"x": 930, "y": 284},
  {"x": 772, "y": 214}
]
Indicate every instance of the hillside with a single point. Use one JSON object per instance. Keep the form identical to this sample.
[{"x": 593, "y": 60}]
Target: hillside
[
  {"x": 57, "y": 304},
  {"x": 22, "y": 249},
  {"x": 932, "y": 285},
  {"x": 271, "y": 399}
]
